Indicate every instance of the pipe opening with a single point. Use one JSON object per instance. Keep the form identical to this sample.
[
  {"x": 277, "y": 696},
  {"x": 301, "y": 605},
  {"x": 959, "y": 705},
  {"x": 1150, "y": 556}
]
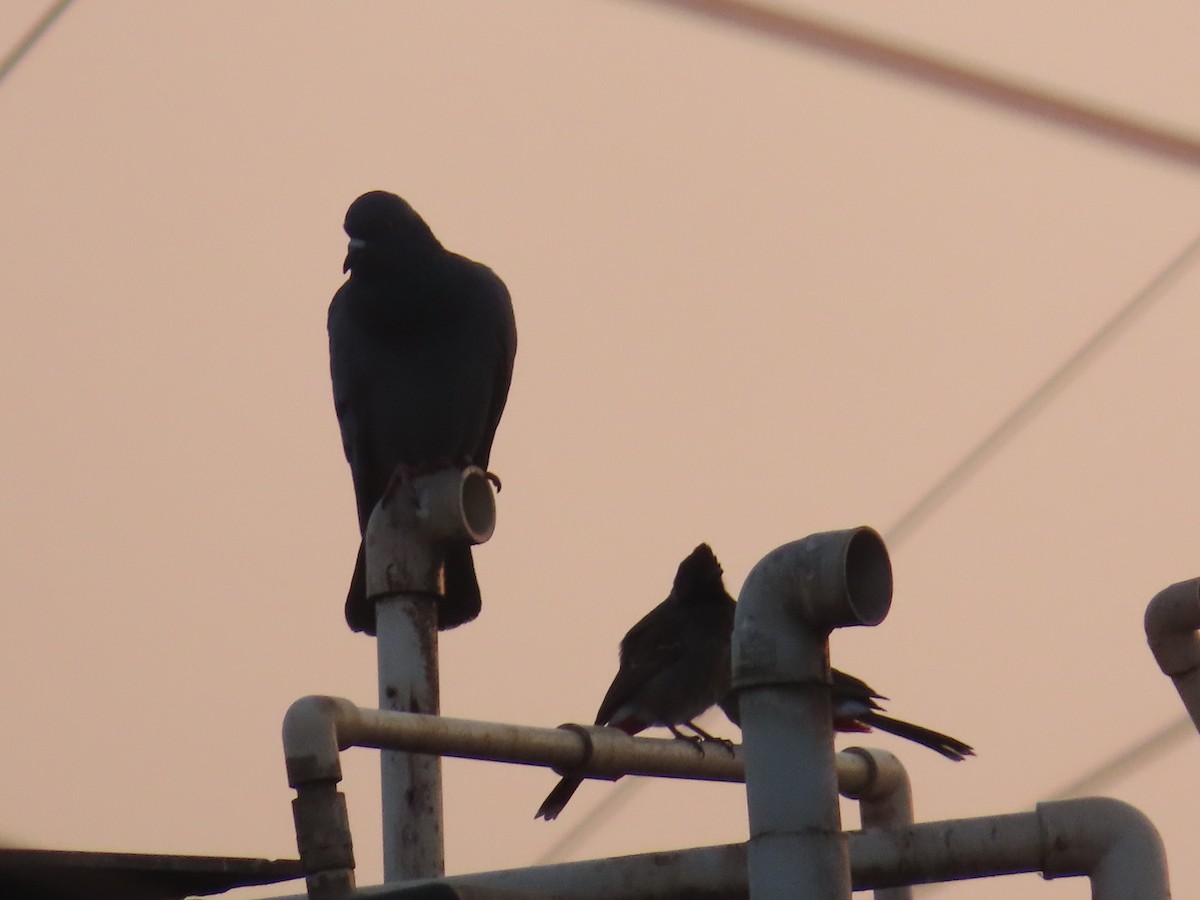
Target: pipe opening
[
  {"x": 868, "y": 577},
  {"x": 478, "y": 505}
]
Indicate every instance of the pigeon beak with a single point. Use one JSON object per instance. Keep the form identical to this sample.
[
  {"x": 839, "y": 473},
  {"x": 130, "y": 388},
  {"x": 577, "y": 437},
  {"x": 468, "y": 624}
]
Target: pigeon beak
[{"x": 356, "y": 244}]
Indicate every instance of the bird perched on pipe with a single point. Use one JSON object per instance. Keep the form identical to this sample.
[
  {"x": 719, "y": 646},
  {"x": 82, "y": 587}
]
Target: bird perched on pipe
[
  {"x": 855, "y": 709},
  {"x": 421, "y": 348},
  {"x": 674, "y": 663}
]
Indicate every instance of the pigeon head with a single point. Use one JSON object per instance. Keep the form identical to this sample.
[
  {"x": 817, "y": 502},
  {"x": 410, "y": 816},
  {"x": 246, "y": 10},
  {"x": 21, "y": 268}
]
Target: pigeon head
[
  {"x": 379, "y": 224},
  {"x": 699, "y": 577}
]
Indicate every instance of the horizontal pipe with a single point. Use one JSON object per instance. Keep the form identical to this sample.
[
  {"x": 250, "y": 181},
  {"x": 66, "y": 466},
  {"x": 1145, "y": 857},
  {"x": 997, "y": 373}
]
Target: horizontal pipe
[
  {"x": 946, "y": 851},
  {"x": 612, "y": 753},
  {"x": 1106, "y": 840},
  {"x": 317, "y": 728},
  {"x": 878, "y": 859},
  {"x": 791, "y": 600}
]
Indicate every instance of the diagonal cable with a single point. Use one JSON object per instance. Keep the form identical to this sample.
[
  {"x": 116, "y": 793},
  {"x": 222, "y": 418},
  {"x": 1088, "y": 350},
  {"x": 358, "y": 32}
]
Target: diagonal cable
[
  {"x": 1058, "y": 381},
  {"x": 39, "y": 28},
  {"x": 937, "y": 496},
  {"x": 1128, "y": 760},
  {"x": 952, "y": 76},
  {"x": 593, "y": 820}
]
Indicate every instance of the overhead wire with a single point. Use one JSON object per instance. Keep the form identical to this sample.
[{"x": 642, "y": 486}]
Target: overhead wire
[
  {"x": 32, "y": 36},
  {"x": 1128, "y": 760},
  {"x": 956, "y": 77},
  {"x": 1038, "y": 399}
]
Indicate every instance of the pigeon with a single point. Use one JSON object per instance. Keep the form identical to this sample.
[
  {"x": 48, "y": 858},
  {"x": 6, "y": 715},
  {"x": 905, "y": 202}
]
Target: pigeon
[{"x": 421, "y": 349}]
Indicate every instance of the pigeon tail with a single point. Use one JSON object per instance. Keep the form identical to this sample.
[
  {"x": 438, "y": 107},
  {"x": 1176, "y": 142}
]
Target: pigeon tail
[{"x": 460, "y": 604}]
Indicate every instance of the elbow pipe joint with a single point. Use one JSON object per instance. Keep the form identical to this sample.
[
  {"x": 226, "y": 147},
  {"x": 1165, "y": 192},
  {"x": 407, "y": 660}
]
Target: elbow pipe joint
[
  {"x": 315, "y": 731},
  {"x": 1113, "y": 843},
  {"x": 1172, "y": 619},
  {"x": 800, "y": 592},
  {"x": 885, "y": 793},
  {"x": 412, "y": 521}
]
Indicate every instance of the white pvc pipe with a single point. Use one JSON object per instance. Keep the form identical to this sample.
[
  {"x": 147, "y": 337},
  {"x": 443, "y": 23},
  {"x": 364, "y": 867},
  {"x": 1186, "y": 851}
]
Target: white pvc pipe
[
  {"x": 1172, "y": 620},
  {"x": 314, "y": 768},
  {"x": 884, "y": 802},
  {"x": 1108, "y": 841},
  {"x": 789, "y": 603},
  {"x": 403, "y": 544},
  {"x": 410, "y": 783},
  {"x": 317, "y": 729}
]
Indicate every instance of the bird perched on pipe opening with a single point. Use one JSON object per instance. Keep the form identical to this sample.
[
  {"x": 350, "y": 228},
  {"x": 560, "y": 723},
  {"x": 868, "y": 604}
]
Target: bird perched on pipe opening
[
  {"x": 855, "y": 709},
  {"x": 421, "y": 348},
  {"x": 674, "y": 663}
]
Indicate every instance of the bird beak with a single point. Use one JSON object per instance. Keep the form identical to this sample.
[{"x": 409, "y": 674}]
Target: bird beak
[{"x": 356, "y": 244}]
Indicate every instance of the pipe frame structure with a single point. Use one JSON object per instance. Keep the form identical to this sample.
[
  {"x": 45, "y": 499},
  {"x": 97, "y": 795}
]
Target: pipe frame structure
[
  {"x": 317, "y": 729},
  {"x": 791, "y": 601}
]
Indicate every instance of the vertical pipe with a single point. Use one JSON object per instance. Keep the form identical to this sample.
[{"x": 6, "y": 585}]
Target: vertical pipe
[
  {"x": 796, "y": 835},
  {"x": 314, "y": 767},
  {"x": 323, "y": 839},
  {"x": 403, "y": 545},
  {"x": 789, "y": 603},
  {"x": 411, "y": 784},
  {"x": 886, "y": 802}
]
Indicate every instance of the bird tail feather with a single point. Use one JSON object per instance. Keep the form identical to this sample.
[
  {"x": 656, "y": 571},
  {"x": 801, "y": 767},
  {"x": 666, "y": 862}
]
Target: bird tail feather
[
  {"x": 461, "y": 601},
  {"x": 460, "y": 604},
  {"x": 949, "y": 747},
  {"x": 558, "y": 798},
  {"x": 360, "y": 612}
]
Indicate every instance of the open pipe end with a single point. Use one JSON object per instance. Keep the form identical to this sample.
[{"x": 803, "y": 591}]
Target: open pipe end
[
  {"x": 868, "y": 577},
  {"x": 447, "y": 505},
  {"x": 477, "y": 505},
  {"x": 839, "y": 578},
  {"x": 455, "y": 504},
  {"x": 797, "y": 594},
  {"x": 410, "y": 525}
]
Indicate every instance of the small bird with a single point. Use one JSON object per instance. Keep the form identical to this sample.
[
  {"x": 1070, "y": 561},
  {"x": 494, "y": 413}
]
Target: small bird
[
  {"x": 674, "y": 663},
  {"x": 855, "y": 709},
  {"x": 421, "y": 349}
]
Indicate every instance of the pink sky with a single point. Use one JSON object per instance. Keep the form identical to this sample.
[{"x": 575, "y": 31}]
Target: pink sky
[{"x": 760, "y": 293}]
